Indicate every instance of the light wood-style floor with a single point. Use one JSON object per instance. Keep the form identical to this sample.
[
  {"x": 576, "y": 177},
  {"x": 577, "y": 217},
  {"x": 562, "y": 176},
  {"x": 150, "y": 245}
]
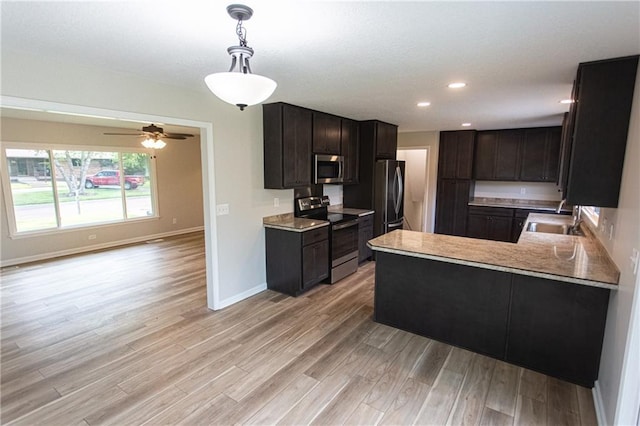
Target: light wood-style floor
[{"x": 124, "y": 337}]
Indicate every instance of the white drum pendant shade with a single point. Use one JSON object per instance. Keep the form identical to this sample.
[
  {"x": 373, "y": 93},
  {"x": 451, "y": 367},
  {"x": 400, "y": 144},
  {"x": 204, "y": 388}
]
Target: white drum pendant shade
[{"x": 241, "y": 89}]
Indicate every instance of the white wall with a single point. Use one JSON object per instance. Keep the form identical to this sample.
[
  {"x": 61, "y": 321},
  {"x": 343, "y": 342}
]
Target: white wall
[
  {"x": 540, "y": 191},
  {"x": 626, "y": 221},
  {"x": 425, "y": 140},
  {"x": 237, "y": 147}
]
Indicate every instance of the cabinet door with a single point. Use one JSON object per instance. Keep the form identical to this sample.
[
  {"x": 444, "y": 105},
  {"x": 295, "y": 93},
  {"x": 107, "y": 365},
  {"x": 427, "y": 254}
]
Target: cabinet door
[
  {"x": 539, "y": 154},
  {"x": 500, "y": 228},
  {"x": 451, "y": 206},
  {"x": 507, "y": 159},
  {"x": 326, "y": 133},
  {"x": 485, "y": 155},
  {"x": 296, "y": 146},
  {"x": 600, "y": 131},
  {"x": 315, "y": 263},
  {"x": 349, "y": 149},
  {"x": 386, "y": 141},
  {"x": 455, "y": 157},
  {"x": 557, "y": 327},
  {"x": 478, "y": 226}
]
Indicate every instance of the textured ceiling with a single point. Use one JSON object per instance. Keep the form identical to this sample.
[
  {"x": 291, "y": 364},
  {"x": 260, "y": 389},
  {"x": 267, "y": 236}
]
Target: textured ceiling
[{"x": 357, "y": 59}]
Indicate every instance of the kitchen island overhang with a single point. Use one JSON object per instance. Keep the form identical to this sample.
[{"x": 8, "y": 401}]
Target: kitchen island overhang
[{"x": 554, "y": 326}]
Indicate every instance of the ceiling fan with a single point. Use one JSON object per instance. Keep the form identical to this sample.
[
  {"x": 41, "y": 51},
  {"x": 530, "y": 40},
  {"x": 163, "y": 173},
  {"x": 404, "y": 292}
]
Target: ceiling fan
[{"x": 154, "y": 132}]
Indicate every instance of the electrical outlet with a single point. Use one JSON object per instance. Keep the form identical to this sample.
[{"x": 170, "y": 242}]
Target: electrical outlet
[
  {"x": 276, "y": 202},
  {"x": 611, "y": 231},
  {"x": 523, "y": 191},
  {"x": 175, "y": 220},
  {"x": 222, "y": 209},
  {"x": 92, "y": 236}
]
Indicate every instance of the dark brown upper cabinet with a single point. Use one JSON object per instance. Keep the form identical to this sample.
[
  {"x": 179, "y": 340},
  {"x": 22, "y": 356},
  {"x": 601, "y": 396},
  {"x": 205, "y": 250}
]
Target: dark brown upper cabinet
[
  {"x": 349, "y": 143},
  {"x": 287, "y": 146},
  {"x": 326, "y": 133},
  {"x": 455, "y": 158},
  {"x": 596, "y": 139},
  {"x": 497, "y": 154},
  {"x": 540, "y": 153},
  {"x": 383, "y": 137}
]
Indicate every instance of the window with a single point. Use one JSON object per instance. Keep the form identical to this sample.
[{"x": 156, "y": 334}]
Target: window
[
  {"x": 593, "y": 213},
  {"x": 49, "y": 189}
]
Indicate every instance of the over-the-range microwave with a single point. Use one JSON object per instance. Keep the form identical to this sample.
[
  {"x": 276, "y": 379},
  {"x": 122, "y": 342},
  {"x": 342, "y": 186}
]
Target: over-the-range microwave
[{"x": 328, "y": 168}]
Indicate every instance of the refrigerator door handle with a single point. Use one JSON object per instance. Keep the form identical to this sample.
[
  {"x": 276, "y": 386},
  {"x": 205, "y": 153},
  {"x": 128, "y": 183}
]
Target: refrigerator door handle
[
  {"x": 400, "y": 191},
  {"x": 394, "y": 191}
]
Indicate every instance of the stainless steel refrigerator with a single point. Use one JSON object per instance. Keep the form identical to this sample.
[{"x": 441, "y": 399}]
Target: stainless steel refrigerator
[{"x": 388, "y": 196}]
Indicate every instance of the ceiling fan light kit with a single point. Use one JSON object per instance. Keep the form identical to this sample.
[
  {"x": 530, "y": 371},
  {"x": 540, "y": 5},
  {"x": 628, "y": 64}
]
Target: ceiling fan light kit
[
  {"x": 153, "y": 143},
  {"x": 239, "y": 86}
]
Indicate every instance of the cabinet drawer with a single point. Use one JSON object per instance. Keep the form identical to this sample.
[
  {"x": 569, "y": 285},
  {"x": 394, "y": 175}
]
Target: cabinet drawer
[
  {"x": 491, "y": 211},
  {"x": 315, "y": 235}
]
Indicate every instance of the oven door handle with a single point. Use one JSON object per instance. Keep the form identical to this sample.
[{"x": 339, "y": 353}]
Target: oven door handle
[{"x": 344, "y": 225}]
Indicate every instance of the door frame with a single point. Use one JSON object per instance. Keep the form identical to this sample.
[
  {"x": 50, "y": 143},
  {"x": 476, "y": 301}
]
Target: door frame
[{"x": 207, "y": 164}]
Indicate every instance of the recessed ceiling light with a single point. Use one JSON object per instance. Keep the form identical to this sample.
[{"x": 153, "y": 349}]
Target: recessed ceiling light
[
  {"x": 456, "y": 85},
  {"x": 424, "y": 104},
  {"x": 566, "y": 101},
  {"x": 466, "y": 124}
]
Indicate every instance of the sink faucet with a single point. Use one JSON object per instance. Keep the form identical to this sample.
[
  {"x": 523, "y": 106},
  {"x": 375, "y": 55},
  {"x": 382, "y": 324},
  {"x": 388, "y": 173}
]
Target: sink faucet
[
  {"x": 560, "y": 205},
  {"x": 577, "y": 218}
]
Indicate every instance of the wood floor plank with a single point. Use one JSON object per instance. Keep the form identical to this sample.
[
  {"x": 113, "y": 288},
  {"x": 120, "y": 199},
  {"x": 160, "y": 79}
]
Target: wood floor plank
[
  {"x": 405, "y": 407},
  {"x": 441, "y": 398},
  {"x": 587, "y": 409},
  {"x": 495, "y": 418},
  {"x": 130, "y": 343},
  {"x": 431, "y": 362},
  {"x": 503, "y": 388},
  {"x": 530, "y": 412},
  {"x": 471, "y": 400}
]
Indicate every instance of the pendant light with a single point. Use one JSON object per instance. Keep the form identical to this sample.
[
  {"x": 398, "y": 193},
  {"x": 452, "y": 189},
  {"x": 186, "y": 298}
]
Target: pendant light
[{"x": 239, "y": 86}]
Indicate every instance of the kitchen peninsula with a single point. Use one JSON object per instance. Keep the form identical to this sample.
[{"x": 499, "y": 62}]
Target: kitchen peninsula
[{"x": 540, "y": 303}]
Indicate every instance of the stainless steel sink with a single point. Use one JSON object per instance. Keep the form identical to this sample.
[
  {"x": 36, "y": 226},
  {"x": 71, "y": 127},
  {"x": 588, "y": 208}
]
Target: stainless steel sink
[{"x": 552, "y": 228}]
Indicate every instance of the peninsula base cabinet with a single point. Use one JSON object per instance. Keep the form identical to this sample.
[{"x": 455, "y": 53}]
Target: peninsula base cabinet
[
  {"x": 549, "y": 326},
  {"x": 296, "y": 261}
]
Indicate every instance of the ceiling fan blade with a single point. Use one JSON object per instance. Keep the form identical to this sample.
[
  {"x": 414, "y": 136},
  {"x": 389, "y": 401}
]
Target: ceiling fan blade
[
  {"x": 174, "y": 136},
  {"x": 181, "y": 135},
  {"x": 123, "y": 134}
]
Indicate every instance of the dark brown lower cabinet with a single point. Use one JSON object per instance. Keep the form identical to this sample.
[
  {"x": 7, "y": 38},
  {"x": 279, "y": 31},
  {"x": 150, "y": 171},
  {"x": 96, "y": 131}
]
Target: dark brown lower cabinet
[
  {"x": 365, "y": 233},
  {"x": 557, "y": 328},
  {"x": 296, "y": 261},
  {"x": 452, "y": 201},
  {"x": 490, "y": 223},
  {"x": 550, "y": 326}
]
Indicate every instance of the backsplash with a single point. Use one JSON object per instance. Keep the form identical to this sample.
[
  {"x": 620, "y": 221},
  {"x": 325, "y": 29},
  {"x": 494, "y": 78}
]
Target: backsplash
[
  {"x": 517, "y": 190},
  {"x": 334, "y": 192}
]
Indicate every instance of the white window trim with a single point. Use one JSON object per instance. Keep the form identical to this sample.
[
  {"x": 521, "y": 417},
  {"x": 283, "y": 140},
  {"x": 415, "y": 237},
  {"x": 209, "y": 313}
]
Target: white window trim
[
  {"x": 591, "y": 215},
  {"x": 8, "y": 193}
]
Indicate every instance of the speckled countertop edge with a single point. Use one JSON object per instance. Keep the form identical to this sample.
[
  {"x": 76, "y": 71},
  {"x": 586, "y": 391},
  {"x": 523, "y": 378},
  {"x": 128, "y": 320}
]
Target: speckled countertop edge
[
  {"x": 288, "y": 222},
  {"x": 515, "y": 203},
  {"x": 535, "y": 254}
]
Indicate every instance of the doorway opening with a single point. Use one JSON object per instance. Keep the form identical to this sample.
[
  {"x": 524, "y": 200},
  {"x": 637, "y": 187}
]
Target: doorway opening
[{"x": 417, "y": 211}]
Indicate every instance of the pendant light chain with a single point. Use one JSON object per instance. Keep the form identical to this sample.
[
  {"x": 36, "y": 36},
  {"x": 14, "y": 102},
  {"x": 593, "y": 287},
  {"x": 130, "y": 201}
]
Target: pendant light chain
[{"x": 242, "y": 33}]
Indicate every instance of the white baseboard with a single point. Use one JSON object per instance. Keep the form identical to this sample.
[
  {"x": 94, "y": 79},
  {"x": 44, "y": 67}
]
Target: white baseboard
[
  {"x": 244, "y": 295},
  {"x": 598, "y": 404},
  {"x": 85, "y": 249}
]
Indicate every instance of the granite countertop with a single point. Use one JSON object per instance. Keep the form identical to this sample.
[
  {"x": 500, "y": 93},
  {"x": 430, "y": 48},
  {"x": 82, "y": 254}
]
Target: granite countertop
[
  {"x": 347, "y": 210},
  {"x": 515, "y": 203},
  {"x": 574, "y": 259},
  {"x": 288, "y": 222}
]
